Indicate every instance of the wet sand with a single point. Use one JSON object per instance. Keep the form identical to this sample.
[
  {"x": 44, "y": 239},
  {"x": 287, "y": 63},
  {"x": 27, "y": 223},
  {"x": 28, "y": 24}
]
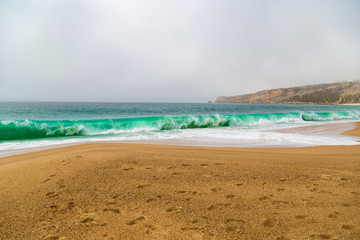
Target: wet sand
[
  {"x": 355, "y": 131},
  {"x": 134, "y": 191},
  {"x": 329, "y": 130}
]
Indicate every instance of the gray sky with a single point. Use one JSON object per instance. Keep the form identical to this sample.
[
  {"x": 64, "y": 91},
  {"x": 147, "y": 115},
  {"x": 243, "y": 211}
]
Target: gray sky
[{"x": 176, "y": 51}]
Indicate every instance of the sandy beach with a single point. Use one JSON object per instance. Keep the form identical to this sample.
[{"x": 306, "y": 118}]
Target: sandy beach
[{"x": 138, "y": 191}]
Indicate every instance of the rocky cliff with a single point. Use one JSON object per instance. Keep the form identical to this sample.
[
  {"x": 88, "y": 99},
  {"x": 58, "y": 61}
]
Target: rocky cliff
[{"x": 331, "y": 93}]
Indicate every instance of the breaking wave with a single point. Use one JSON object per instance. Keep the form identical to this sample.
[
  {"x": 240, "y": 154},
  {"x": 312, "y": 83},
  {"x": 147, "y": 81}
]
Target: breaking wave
[{"x": 35, "y": 129}]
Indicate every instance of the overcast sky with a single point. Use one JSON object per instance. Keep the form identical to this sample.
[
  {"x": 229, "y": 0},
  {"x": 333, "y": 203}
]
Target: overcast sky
[{"x": 175, "y": 51}]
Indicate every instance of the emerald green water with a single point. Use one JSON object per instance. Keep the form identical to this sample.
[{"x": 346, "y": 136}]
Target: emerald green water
[{"x": 23, "y": 123}]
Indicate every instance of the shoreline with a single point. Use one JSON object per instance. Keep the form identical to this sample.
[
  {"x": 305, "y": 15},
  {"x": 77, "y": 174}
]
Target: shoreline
[
  {"x": 141, "y": 191},
  {"x": 353, "y": 132},
  {"x": 351, "y": 104},
  {"x": 323, "y": 130}
]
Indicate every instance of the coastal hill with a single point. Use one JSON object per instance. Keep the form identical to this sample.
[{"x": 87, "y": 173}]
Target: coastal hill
[{"x": 330, "y": 93}]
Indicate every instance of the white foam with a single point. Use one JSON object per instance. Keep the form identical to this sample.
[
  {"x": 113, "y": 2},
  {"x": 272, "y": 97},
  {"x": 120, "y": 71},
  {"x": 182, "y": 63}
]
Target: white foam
[{"x": 121, "y": 131}]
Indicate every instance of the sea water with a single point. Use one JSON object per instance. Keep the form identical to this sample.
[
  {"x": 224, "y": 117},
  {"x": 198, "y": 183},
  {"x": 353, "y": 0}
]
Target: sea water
[{"x": 38, "y": 124}]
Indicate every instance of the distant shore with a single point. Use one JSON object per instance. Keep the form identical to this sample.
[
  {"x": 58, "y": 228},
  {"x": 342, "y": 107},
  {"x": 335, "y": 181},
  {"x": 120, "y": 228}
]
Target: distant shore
[
  {"x": 294, "y": 103},
  {"x": 328, "y": 93},
  {"x": 351, "y": 104}
]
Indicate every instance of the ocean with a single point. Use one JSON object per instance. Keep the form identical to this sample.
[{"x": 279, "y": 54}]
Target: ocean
[{"x": 38, "y": 124}]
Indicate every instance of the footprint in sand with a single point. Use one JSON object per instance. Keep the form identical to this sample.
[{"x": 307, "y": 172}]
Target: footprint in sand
[
  {"x": 234, "y": 229},
  {"x": 143, "y": 186},
  {"x": 181, "y": 191},
  {"x": 46, "y": 180},
  {"x": 136, "y": 220},
  {"x": 52, "y": 238},
  {"x": 70, "y": 205},
  {"x": 51, "y": 194},
  {"x": 348, "y": 227},
  {"x": 230, "y": 196},
  {"x": 186, "y": 165},
  {"x": 320, "y": 236},
  {"x": 53, "y": 175},
  {"x": 334, "y": 215},
  {"x": 263, "y": 198},
  {"x": 236, "y": 226},
  {"x": 149, "y": 229},
  {"x": 300, "y": 217},
  {"x": 87, "y": 220},
  {"x": 90, "y": 218},
  {"x": 116, "y": 196},
  {"x": 279, "y": 202},
  {"x": 54, "y": 208},
  {"x": 170, "y": 209},
  {"x": 216, "y": 189},
  {"x": 239, "y": 184},
  {"x": 204, "y": 165},
  {"x": 108, "y": 237},
  {"x": 270, "y": 222},
  {"x": 127, "y": 169},
  {"x": 65, "y": 162},
  {"x": 212, "y": 207},
  {"x": 282, "y": 238},
  {"x": 190, "y": 192},
  {"x": 113, "y": 210},
  {"x": 219, "y": 164}
]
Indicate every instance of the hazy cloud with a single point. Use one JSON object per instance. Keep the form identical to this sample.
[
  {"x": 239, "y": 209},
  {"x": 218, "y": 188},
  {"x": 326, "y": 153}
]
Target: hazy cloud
[{"x": 160, "y": 50}]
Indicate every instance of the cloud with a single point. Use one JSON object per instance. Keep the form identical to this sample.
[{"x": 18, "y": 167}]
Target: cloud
[{"x": 172, "y": 50}]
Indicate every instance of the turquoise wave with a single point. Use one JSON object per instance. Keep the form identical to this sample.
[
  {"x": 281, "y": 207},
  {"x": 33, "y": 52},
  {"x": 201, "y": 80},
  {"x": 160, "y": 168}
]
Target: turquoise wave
[
  {"x": 330, "y": 116},
  {"x": 34, "y": 129}
]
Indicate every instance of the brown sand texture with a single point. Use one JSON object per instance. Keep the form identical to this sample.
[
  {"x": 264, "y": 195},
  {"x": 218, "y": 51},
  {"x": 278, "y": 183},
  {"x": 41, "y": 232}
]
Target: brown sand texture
[
  {"x": 355, "y": 131},
  {"x": 134, "y": 191}
]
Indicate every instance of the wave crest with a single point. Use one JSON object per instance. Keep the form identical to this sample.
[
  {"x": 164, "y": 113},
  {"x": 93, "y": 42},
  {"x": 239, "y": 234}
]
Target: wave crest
[{"x": 26, "y": 129}]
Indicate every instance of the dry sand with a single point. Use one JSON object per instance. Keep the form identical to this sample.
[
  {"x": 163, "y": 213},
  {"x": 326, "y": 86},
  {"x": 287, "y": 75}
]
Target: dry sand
[{"x": 133, "y": 191}]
